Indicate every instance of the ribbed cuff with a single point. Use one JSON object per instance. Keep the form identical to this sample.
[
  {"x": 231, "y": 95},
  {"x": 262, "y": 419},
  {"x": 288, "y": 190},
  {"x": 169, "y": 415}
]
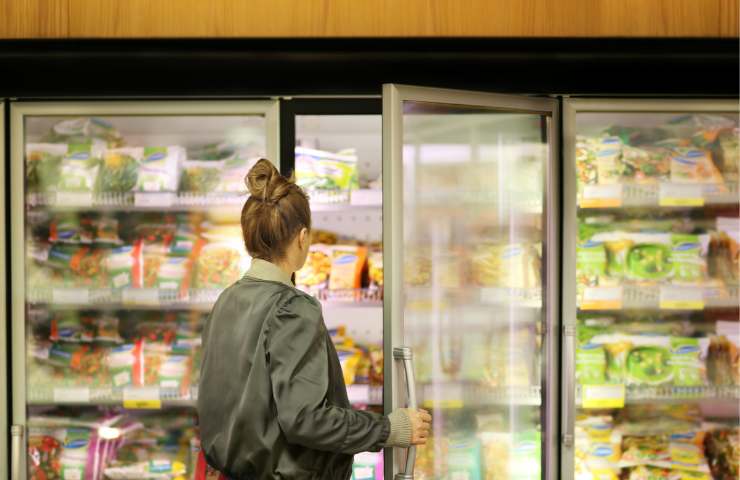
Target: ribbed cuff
[{"x": 400, "y": 435}]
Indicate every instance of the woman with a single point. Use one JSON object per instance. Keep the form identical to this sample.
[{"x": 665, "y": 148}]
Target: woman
[{"x": 272, "y": 402}]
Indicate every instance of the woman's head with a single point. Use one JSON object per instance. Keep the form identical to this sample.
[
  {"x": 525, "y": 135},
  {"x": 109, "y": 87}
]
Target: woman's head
[{"x": 276, "y": 218}]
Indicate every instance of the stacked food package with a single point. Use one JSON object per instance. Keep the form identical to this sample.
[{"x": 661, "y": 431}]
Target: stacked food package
[
  {"x": 111, "y": 445},
  {"x": 326, "y": 177},
  {"x": 88, "y": 155},
  {"x": 655, "y": 442},
  {"x": 347, "y": 271}
]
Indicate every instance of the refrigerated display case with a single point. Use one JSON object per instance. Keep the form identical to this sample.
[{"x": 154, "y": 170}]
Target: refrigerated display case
[
  {"x": 470, "y": 227},
  {"x": 125, "y": 228},
  {"x": 650, "y": 292},
  {"x": 334, "y": 149},
  {"x": 4, "y": 458}
]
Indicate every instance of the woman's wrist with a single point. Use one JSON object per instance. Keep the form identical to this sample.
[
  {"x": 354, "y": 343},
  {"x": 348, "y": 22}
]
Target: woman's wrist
[{"x": 400, "y": 435}]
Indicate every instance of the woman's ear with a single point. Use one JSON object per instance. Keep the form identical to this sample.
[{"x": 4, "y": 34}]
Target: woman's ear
[{"x": 304, "y": 238}]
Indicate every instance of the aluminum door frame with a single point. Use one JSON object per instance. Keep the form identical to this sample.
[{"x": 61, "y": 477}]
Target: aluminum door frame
[
  {"x": 18, "y": 111},
  {"x": 571, "y": 108},
  {"x": 392, "y": 174},
  {"x": 3, "y": 310}
]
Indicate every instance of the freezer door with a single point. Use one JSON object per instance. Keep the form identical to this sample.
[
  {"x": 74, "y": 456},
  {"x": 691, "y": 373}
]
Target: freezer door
[
  {"x": 470, "y": 227},
  {"x": 3, "y": 312}
]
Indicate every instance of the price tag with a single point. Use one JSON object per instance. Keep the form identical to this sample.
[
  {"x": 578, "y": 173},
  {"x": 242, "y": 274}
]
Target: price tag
[
  {"x": 74, "y": 199},
  {"x": 602, "y": 396},
  {"x": 142, "y": 398},
  {"x": 601, "y": 196},
  {"x": 681, "y": 298},
  {"x": 681, "y": 195},
  {"x": 140, "y": 296},
  {"x": 72, "y": 395},
  {"x": 70, "y": 295},
  {"x": 602, "y": 298},
  {"x": 154, "y": 199}
]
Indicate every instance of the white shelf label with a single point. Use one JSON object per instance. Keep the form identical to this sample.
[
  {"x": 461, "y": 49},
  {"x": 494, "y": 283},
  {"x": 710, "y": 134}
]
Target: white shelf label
[
  {"x": 70, "y": 295},
  {"x": 681, "y": 195},
  {"x": 141, "y": 397},
  {"x": 154, "y": 199},
  {"x": 602, "y": 298},
  {"x": 140, "y": 296},
  {"x": 602, "y": 196},
  {"x": 681, "y": 298},
  {"x": 72, "y": 395},
  {"x": 74, "y": 199}
]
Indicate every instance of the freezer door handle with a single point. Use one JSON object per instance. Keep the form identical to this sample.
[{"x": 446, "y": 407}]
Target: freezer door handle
[
  {"x": 406, "y": 355},
  {"x": 569, "y": 384},
  {"x": 16, "y": 449}
]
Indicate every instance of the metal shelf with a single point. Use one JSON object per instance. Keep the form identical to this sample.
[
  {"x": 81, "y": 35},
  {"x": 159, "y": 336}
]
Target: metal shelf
[
  {"x": 461, "y": 395},
  {"x": 660, "y": 297},
  {"x": 135, "y": 201},
  {"x": 671, "y": 394},
  {"x": 658, "y": 195}
]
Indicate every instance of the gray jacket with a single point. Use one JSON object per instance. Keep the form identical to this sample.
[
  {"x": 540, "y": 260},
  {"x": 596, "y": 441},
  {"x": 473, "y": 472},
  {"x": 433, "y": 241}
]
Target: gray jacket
[{"x": 272, "y": 403}]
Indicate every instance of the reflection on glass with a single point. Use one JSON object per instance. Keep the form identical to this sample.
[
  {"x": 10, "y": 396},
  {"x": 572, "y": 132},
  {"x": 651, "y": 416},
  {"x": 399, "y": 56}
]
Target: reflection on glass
[
  {"x": 656, "y": 293},
  {"x": 473, "y": 245},
  {"x": 132, "y": 230}
]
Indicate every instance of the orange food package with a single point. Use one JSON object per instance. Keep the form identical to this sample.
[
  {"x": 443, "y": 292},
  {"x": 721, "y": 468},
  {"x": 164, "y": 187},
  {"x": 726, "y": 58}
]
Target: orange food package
[{"x": 347, "y": 265}]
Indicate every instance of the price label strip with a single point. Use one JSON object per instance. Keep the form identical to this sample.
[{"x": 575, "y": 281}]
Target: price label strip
[
  {"x": 602, "y": 396},
  {"x": 142, "y": 398},
  {"x": 681, "y": 195},
  {"x": 70, "y": 296},
  {"x": 72, "y": 395},
  {"x": 154, "y": 199},
  {"x": 681, "y": 298},
  {"x": 601, "y": 196},
  {"x": 602, "y": 298}
]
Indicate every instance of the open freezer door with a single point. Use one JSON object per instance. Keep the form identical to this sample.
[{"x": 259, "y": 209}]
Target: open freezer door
[{"x": 470, "y": 216}]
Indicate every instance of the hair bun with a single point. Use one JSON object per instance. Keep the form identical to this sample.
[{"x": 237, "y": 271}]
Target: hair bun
[{"x": 265, "y": 182}]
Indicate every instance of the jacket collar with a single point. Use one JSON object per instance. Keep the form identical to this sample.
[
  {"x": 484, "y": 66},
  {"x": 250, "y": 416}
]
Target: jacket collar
[{"x": 264, "y": 270}]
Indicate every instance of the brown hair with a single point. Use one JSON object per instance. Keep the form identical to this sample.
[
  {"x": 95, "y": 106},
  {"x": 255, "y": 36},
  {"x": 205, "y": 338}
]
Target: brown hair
[{"x": 276, "y": 210}]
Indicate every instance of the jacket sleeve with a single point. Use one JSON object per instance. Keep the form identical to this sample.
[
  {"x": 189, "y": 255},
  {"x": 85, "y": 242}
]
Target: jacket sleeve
[{"x": 299, "y": 370}]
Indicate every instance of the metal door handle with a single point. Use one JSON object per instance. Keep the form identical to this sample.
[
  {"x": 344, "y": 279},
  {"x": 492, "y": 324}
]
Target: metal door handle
[
  {"x": 16, "y": 449},
  {"x": 406, "y": 355},
  {"x": 569, "y": 385}
]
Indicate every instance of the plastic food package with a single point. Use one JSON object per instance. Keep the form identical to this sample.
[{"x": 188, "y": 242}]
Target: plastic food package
[
  {"x": 586, "y": 162},
  {"x": 729, "y": 152},
  {"x": 76, "y": 327},
  {"x": 79, "y": 169},
  {"x": 688, "y": 368},
  {"x": 509, "y": 455},
  {"x": 722, "y": 447},
  {"x": 119, "y": 170},
  {"x": 723, "y": 361},
  {"x": 159, "y": 169},
  {"x": 653, "y": 473},
  {"x": 690, "y": 165},
  {"x": 375, "y": 267},
  {"x": 417, "y": 270},
  {"x": 724, "y": 250},
  {"x": 81, "y": 266},
  {"x": 316, "y": 170},
  {"x": 645, "y": 165},
  {"x": 43, "y": 163},
  {"x": 126, "y": 365},
  {"x": 608, "y": 153},
  {"x": 123, "y": 266},
  {"x": 200, "y": 177},
  {"x": 66, "y": 453},
  {"x": 218, "y": 265},
  {"x": 92, "y": 130},
  {"x": 233, "y": 174},
  {"x": 514, "y": 265},
  {"x": 347, "y": 265},
  {"x": 70, "y": 228},
  {"x": 316, "y": 270}
]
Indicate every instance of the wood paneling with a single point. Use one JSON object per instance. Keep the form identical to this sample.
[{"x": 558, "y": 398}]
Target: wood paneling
[{"x": 370, "y": 18}]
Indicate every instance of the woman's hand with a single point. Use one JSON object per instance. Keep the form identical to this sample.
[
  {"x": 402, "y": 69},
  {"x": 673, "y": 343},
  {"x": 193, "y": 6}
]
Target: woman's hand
[{"x": 421, "y": 423}]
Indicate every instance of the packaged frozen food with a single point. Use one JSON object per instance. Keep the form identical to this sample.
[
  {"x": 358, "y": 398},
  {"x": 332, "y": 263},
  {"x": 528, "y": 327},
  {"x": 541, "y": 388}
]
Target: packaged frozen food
[
  {"x": 126, "y": 365},
  {"x": 649, "y": 261},
  {"x": 647, "y": 362},
  {"x": 644, "y": 472},
  {"x": 375, "y": 267},
  {"x": 220, "y": 264},
  {"x": 590, "y": 357},
  {"x": 723, "y": 361},
  {"x": 417, "y": 269},
  {"x": 509, "y": 455},
  {"x": 73, "y": 326},
  {"x": 722, "y": 448},
  {"x": 367, "y": 466},
  {"x": 124, "y": 267},
  {"x": 174, "y": 274},
  {"x": 66, "y": 453},
  {"x": 688, "y": 368},
  {"x": 158, "y": 469},
  {"x": 316, "y": 170},
  {"x": 316, "y": 270},
  {"x": 71, "y": 228},
  {"x": 323, "y": 236},
  {"x": 199, "y": 176},
  {"x": 347, "y": 265},
  {"x": 159, "y": 169},
  {"x": 586, "y": 162},
  {"x": 691, "y": 165},
  {"x": 724, "y": 250},
  {"x": 608, "y": 160},
  {"x": 464, "y": 459},
  {"x": 43, "y": 163},
  {"x": 119, "y": 170},
  {"x": 233, "y": 174},
  {"x": 79, "y": 169},
  {"x": 689, "y": 263},
  {"x": 85, "y": 130},
  {"x": 729, "y": 153},
  {"x": 591, "y": 266},
  {"x": 516, "y": 265},
  {"x": 81, "y": 266}
]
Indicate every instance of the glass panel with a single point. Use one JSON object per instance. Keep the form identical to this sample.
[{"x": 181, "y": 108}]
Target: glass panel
[
  {"x": 132, "y": 230},
  {"x": 338, "y": 162},
  {"x": 657, "y": 294},
  {"x": 473, "y": 286}
]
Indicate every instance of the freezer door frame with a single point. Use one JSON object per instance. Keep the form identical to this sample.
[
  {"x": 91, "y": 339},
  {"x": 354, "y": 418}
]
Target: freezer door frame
[
  {"x": 18, "y": 111},
  {"x": 393, "y": 97},
  {"x": 4, "y": 424},
  {"x": 571, "y": 108}
]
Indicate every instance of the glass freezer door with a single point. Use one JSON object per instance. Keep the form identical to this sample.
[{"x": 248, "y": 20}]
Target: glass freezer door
[{"x": 469, "y": 227}]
